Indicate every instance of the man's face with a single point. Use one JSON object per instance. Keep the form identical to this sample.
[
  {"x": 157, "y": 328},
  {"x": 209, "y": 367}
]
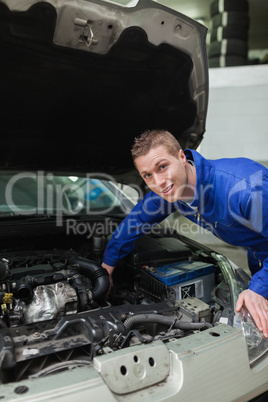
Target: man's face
[{"x": 165, "y": 174}]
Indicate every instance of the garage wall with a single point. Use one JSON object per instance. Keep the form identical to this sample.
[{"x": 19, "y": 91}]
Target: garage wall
[{"x": 237, "y": 120}]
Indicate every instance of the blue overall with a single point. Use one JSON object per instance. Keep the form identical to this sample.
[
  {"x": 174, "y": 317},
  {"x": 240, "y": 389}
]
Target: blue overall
[{"x": 231, "y": 201}]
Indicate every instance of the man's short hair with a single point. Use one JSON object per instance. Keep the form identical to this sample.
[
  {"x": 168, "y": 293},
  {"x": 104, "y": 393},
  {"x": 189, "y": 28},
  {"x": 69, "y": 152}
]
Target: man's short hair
[{"x": 153, "y": 138}]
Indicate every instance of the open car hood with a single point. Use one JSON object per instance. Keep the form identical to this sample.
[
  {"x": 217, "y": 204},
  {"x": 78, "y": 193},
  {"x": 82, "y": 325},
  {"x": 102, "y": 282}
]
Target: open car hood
[{"x": 81, "y": 79}]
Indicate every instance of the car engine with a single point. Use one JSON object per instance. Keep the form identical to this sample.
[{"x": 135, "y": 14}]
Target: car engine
[{"x": 55, "y": 312}]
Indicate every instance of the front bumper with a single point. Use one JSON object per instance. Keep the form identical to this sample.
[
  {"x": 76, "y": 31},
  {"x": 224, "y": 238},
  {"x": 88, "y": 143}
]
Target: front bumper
[{"x": 211, "y": 365}]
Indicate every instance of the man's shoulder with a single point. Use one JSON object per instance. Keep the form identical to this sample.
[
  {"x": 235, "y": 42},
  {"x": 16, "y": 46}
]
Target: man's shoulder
[
  {"x": 240, "y": 166},
  {"x": 227, "y": 164}
]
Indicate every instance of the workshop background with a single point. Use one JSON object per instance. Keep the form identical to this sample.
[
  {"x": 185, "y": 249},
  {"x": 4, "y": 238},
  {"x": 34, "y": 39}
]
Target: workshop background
[{"x": 237, "y": 120}]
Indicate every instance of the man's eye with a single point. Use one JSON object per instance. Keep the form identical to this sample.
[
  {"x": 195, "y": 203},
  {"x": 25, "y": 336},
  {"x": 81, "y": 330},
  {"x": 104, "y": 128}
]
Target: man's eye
[
  {"x": 146, "y": 176},
  {"x": 162, "y": 167}
]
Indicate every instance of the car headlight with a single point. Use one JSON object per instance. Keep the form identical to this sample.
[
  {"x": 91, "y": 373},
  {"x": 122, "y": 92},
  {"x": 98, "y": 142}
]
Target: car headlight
[{"x": 256, "y": 342}]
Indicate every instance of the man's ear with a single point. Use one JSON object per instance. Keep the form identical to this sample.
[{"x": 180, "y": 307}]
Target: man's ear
[{"x": 182, "y": 156}]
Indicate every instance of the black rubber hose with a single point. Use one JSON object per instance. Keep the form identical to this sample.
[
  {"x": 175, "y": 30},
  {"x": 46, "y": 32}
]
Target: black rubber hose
[
  {"x": 77, "y": 283},
  {"x": 24, "y": 286},
  {"x": 4, "y": 269},
  {"x": 96, "y": 273},
  {"x": 165, "y": 320}
]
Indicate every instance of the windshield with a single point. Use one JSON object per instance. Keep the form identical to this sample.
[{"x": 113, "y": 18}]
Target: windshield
[{"x": 45, "y": 193}]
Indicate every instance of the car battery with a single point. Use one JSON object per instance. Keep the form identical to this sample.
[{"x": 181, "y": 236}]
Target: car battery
[{"x": 188, "y": 278}]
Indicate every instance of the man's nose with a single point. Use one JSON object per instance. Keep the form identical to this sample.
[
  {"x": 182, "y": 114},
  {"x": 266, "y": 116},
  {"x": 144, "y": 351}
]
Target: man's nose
[{"x": 159, "y": 180}]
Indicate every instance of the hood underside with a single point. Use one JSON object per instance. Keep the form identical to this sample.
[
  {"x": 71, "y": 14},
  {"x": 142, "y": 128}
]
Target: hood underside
[{"x": 81, "y": 80}]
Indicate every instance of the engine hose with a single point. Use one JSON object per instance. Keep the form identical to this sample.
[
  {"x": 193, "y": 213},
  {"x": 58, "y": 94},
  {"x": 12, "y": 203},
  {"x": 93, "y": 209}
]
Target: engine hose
[
  {"x": 96, "y": 273},
  {"x": 165, "y": 320},
  {"x": 77, "y": 283},
  {"x": 24, "y": 286}
]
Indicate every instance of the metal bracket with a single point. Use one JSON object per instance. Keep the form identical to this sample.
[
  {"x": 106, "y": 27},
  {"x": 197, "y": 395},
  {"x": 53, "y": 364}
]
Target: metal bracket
[
  {"x": 87, "y": 36},
  {"x": 134, "y": 368}
]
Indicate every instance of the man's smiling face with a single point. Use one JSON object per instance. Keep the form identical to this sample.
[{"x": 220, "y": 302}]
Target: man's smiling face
[{"x": 165, "y": 174}]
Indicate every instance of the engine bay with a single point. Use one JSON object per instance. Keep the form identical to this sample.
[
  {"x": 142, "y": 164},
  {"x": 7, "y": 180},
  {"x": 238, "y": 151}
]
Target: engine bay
[{"x": 55, "y": 312}]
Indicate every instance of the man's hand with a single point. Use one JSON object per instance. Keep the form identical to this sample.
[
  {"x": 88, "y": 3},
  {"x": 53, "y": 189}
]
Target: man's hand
[
  {"x": 110, "y": 272},
  {"x": 257, "y": 305}
]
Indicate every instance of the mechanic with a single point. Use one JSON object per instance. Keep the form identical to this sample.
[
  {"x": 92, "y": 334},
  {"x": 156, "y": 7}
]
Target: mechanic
[{"x": 225, "y": 196}]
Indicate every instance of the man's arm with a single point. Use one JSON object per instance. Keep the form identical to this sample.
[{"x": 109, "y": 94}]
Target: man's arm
[
  {"x": 110, "y": 272},
  {"x": 151, "y": 210},
  {"x": 255, "y": 297}
]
